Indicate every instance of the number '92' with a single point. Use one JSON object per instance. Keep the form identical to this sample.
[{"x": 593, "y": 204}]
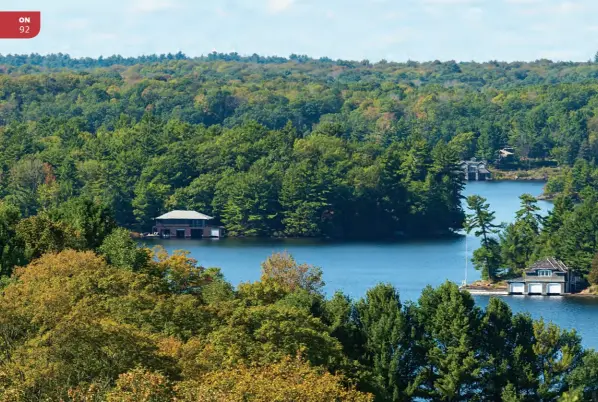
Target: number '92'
[{"x": 24, "y": 29}]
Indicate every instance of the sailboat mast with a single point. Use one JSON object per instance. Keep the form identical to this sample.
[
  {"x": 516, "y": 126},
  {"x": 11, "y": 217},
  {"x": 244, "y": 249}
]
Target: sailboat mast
[{"x": 466, "y": 258}]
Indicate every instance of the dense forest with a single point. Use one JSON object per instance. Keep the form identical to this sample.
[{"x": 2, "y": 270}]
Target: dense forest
[
  {"x": 275, "y": 146},
  {"x": 129, "y": 324},
  {"x": 280, "y": 146}
]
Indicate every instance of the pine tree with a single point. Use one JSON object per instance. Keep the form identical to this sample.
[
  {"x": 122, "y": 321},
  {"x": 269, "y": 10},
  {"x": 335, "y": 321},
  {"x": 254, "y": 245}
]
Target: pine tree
[
  {"x": 518, "y": 240},
  {"x": 388, "y": 345},
  {"x": 481, "y": 221}
]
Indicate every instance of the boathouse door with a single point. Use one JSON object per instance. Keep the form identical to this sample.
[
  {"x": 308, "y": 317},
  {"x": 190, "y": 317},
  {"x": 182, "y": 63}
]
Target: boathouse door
[
  {"x": 180, "y": 233},
  {"x": 517, "y": 288},
  {"x": 535, "y": 288},
  {"x": 554, "y": 289}
]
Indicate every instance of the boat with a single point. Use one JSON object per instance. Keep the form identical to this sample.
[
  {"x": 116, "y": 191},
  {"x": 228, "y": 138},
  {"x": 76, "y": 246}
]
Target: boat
[{"x": 154, "y": 235}]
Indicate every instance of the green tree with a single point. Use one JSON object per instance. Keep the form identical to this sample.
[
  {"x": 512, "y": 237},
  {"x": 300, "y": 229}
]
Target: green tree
[
  {"x": 558, "y": 353},
  {"x": 149, "y": 202},
  {"x": 389, "y": 348},
  {"x": 42, "y": 235},
  {"x": 451, "y": 324},
  {"x": 518, "y": 241},
  {"x": 481, "y": 221},
  {"x": 577, "y": 243},
  {"x": 121, "y": 251},
  {"x": 506, "y": 343},
  {"x": 246, "y": 203},
  {"x": 93, "y": 220},
  {"x": 12, "y": 249},
  {"x": 584, "y": 378}
]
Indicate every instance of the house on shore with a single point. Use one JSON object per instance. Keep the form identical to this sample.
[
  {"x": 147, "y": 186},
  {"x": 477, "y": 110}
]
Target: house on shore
[
  {"x": 186, "y": 225},
  {"x": 545, "y": 277},
  {"x": 476, "y": 170}
]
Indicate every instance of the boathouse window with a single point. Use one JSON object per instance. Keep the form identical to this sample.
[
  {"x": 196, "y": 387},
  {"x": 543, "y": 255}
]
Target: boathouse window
[{"x": 544, "y": 272}]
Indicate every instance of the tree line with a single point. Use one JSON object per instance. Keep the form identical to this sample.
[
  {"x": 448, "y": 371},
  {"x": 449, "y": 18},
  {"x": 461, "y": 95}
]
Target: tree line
[
  {"x": 255, "y": 181},
  {"x": 284, "y": 147}
]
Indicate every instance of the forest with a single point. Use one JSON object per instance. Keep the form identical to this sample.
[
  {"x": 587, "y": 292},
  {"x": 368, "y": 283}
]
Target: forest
[
  {"x": 283, "y": 147},
  {"x": 91, "y": 149},
  {"x": 114, "y": 322}
]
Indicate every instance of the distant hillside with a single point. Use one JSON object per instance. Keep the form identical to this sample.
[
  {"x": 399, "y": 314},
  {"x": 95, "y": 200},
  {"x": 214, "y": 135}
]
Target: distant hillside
[{"x": 338, "y": 144}]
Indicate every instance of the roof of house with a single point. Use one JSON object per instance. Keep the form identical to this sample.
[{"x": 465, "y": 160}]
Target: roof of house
[
  {"x": 473, "y": 162},
  {"x": 505, "y": 152},
  {"x": 550, "y": 263},
  {"x": 485, "y": 171},
  {"x": 184, "y": 215}
]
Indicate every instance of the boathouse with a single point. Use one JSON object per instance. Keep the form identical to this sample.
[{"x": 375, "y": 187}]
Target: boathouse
[
  {"x": 476, "y": 170},
  {"x": 186, "y": 224},
  {"x": 545, "y": 277}
]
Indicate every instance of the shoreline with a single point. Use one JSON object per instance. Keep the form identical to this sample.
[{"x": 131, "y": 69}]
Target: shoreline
[
  {"x": 538, "y": 174},
  {"x": 486, "y": 289}
]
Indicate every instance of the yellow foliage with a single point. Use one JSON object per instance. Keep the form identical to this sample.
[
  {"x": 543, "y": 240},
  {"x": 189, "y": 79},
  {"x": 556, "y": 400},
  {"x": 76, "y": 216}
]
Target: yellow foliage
[
  {"x": 290, "y": 380},
  {"x": 179, "y": 269},
  {"x": 282, "y": 269},
  {"x": 141, "y": 385}
]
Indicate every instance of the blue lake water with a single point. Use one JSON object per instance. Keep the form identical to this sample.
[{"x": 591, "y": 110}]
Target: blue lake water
[{"x": 353, "y": 267}]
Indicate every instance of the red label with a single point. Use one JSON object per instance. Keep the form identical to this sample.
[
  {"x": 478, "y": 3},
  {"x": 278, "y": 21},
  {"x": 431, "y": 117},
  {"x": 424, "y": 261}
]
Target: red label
[{"x": 19, "y": 24}]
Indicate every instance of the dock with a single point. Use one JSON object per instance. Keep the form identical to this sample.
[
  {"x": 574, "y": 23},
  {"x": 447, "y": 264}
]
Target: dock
[{"x": 486, "y": 292}]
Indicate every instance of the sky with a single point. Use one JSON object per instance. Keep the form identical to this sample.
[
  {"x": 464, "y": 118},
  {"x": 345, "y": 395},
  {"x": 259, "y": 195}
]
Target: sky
[{"x": 395, "y": 30}]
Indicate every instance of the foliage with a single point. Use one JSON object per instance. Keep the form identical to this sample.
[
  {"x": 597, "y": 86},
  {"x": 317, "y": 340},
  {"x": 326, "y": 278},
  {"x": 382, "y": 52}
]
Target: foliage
[
  {"x": 121, "y": 251},
  {"x": 141, "y": 385},
  {"x": 12, "y": 249},
  {"x": 73, "y": 327},
  {"x": 290, "y": 380},
  {"x": 593, "y": 275},
  {"x": 388, "y": 347},
  {"x": 281, "y": 146},
  {"x": 481, "y": 221},
  {"x": 518, "y": 239},
  {"x": 41, "y": 235},
  {"x": 93, "y": 221}
]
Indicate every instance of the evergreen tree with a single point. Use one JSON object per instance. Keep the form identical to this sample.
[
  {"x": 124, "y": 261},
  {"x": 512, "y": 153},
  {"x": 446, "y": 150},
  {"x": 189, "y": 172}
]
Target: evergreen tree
[
  {"x": 450, "y": 328},
  {"x": 519, "y": 238},
  {"x": 481, "y": 221},
  {"x": 576, "y": 241},
  {"x": 548, "y": 241},
  {"x": 389, "y": 347},
  {"x": 93, "y": 220}
]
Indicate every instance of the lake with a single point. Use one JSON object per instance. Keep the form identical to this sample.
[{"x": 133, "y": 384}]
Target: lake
[{"x": 353, "y": 267}]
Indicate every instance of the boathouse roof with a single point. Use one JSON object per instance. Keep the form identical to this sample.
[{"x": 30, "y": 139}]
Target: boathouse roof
[
  {"x": 474, "y": 161},
  {"x": 184, "y": 215},
  {"x": 550, "y": 263}
]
